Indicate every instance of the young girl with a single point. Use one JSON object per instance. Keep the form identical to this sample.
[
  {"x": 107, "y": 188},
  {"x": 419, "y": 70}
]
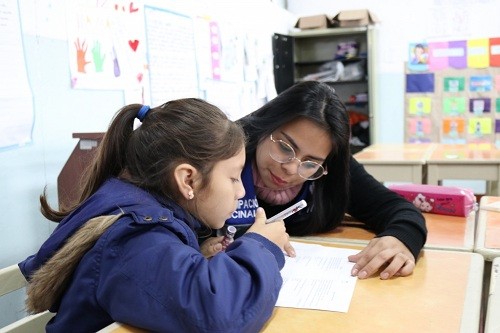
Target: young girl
[
  {"x": 298, "y": 148},
  {"x": 128, "y": 251}
]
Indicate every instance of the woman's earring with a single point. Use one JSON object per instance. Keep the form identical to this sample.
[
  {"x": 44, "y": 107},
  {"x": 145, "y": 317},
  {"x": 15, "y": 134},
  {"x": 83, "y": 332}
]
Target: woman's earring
[{"x": 190, "y": 195}]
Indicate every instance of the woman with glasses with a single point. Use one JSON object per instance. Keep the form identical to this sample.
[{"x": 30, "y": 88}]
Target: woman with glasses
[{"x": 298, "y": 148}]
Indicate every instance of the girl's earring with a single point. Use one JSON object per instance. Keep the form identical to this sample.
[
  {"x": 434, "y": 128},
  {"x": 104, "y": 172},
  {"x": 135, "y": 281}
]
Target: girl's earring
[{"x": 190, "y": 195}]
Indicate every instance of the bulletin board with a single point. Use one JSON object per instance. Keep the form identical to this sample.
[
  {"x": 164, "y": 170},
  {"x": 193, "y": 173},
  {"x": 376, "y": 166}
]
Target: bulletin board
[{"x": 452, "y": 92}]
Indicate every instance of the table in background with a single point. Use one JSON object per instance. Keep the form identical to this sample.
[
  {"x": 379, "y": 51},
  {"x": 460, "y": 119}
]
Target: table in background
[
  {"x": 396, "y": 162},
  {"x": 444, "y": 232},
  {"x": 492, "y": 324},
  {"x": 488, "y": 230},
  {"x": 442, "y": 295},
  {"x": 467, "y": 162}
]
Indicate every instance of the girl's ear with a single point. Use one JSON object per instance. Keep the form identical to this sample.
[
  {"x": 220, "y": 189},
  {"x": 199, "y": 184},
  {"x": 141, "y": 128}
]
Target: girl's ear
[{"x": 184, "y": 175}]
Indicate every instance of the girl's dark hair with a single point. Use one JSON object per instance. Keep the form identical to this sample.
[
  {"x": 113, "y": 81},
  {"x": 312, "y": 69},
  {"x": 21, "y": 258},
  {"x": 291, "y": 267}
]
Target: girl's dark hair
[
  {"x": 181, "y": 131},
  {"x": 317, "y": 102}
]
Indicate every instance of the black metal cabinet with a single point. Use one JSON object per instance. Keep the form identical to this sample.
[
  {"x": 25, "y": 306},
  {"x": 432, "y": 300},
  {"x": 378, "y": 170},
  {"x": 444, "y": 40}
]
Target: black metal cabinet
[{"x": 343, "y": 58}]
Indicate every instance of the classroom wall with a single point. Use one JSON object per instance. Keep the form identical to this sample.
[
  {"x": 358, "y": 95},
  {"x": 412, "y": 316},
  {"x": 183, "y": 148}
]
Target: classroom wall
[
  {"x": 403, "y": 22},
  {"x": 60, "y": 111}
]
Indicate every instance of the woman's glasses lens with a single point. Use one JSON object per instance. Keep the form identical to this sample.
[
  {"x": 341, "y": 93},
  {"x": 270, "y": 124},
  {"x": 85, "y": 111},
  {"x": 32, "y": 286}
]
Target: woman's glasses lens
[{"x": 282, "y": 152}]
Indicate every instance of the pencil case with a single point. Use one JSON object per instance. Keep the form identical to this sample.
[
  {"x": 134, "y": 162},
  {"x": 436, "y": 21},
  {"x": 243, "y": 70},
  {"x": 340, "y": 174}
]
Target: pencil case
[{"x": 444, "y": 200}]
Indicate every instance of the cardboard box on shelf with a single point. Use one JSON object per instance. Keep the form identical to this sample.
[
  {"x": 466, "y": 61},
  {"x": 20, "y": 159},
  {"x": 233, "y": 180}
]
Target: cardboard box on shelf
[
  {"x": 314, "y": 22},
  {"x": 354, "y": 18}
]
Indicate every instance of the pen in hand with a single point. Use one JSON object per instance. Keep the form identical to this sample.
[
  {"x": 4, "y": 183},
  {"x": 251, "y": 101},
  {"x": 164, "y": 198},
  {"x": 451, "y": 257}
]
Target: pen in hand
[{"x": 287, "y": 212}]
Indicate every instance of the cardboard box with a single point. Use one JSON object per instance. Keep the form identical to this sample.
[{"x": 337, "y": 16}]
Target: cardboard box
[
  {"x": 354, "y": 18},
  {"x": 314, "y": 22}
]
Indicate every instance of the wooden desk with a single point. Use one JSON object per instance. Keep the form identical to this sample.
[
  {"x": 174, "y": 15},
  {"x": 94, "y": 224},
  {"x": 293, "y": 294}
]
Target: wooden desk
[
  {"x": 68, "y": 181},
  {"x": 488, "y": 230},
  {"x": 444, "y": 233},
  {"x": 492, "y": 323},
  {"x": 470, "y": 162},
  {"x": 396, "y": 162},
  {"x": 443, "y": 295}
]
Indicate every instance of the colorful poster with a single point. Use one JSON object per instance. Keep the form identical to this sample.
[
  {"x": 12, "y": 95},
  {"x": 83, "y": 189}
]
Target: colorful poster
[
  {"x": 453, "y": 126},
  {"x": 497, "y": 83},
  {"x": 107, "y": 48},
  {"x": 453, "y": 106},
  {"x": 481, "y": 83},
  {"x": 479, "y": 105},
  {"x": 420, "y": 105},
  {"x": 457, "y": 54},
  {"x": 420, "y": 83},
  {"x": 495, "y": 52},
  {"x": 454, "y": 84},
  {"x": 453, "y": 131},
  {"x": 420, "y": 126},
  {"x": 480, "y": 126},
  {"x": 478, "y": 55},
  {"x": 438, "y": 56},
  {"x": 419, "y": 130},
  {"x": 418, "y": 57},
  {"x": 497, "y": 103}
]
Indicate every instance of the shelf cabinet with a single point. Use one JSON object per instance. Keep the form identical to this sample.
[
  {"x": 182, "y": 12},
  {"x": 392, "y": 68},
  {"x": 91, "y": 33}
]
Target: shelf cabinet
[{"x": 321, "y": 54}]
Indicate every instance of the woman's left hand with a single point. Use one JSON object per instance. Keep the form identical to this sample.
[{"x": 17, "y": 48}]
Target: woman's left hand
[
  {"x": 386, "y": 253},
  {"x": 211, "y": 246}
]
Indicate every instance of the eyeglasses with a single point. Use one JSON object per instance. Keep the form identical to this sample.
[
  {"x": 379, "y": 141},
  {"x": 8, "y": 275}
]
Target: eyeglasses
[{"x": 282, "y": 152}]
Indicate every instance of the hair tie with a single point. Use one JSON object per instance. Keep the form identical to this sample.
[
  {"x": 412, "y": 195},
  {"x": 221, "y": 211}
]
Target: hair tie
[{"x": 142, "y": 112}]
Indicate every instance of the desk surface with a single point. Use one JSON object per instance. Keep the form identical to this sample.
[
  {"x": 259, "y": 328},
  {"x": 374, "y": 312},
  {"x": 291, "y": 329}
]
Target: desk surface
[
  {"x": 464, "y": 154},
  {"x": 444, "y": 233},
  {"x": 492, "y": 323},
  {"x": 396, "y": 162},
  {"x": 406, "y": 153},
  {"x": 443, "y": 295},
  {"x": 488, "y": 230}
]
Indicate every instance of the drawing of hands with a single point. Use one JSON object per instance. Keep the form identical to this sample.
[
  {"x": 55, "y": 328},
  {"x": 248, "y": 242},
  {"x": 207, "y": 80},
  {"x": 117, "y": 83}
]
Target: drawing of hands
[
  {"x": 98, "y": 56},
  {"x": 81, "y": 49}
]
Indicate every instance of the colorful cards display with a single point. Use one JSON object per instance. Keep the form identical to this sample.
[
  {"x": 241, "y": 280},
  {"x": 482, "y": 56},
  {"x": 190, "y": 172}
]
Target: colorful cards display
[{"x": 452, "y": 92}]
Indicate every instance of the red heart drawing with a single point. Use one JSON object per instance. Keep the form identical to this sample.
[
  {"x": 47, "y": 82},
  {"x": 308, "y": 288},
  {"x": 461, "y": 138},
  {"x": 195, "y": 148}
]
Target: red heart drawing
[
  {"x": 132, "y": 9},
  {"x": 133, "y": 44},
  {"x": 139, "y": 77}
]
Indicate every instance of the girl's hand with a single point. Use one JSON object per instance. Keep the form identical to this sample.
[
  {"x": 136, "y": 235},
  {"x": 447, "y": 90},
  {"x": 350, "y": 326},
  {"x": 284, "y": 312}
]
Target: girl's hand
[
  {"x": 211, "y": 246},
  {"x": 386, "y": 253},
  {"x": 275, "y": 231}
]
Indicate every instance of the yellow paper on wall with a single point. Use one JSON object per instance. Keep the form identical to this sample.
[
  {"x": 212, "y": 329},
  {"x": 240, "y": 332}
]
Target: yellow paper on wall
[
  {"x": 419, "y": 105},
  {"x": 479, "y": 126},
  {"x": 477, "y": 53}
]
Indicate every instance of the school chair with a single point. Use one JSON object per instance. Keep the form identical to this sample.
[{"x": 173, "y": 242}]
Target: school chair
[{"x": 11, "y": 279}]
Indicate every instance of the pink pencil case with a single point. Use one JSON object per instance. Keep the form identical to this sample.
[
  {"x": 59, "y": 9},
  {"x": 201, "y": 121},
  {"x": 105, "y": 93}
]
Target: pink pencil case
[{"x": 445, "y": 200}]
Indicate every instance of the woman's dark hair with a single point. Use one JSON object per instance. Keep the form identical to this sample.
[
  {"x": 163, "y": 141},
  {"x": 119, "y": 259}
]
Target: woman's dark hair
[
  {"x": 317, "y": 102},
  {"x": 181, "y": 131}
]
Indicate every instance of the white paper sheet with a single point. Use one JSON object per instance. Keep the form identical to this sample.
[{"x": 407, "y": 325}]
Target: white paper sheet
[
  {"x": 16, "y": 100},
  {"x": 319, "y": 277}
]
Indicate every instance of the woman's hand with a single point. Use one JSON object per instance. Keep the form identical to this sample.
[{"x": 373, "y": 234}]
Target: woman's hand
[
  {"x": 211, "y": 246},
  {"x": 275, "y": 231},
  {"x": 386, "y": 253}
]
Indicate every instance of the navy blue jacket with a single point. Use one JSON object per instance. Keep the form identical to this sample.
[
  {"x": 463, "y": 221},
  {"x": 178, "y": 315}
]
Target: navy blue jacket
[{"x": 147, "y": 270}]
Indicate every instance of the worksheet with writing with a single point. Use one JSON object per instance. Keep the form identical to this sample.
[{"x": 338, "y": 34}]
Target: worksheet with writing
[{"x": 319, "y": 277}]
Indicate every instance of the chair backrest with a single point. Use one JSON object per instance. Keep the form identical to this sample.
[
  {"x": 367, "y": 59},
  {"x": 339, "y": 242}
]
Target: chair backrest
[
  {"x": 11, "y": 279},
  {"x": 120, "y": 328}
]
